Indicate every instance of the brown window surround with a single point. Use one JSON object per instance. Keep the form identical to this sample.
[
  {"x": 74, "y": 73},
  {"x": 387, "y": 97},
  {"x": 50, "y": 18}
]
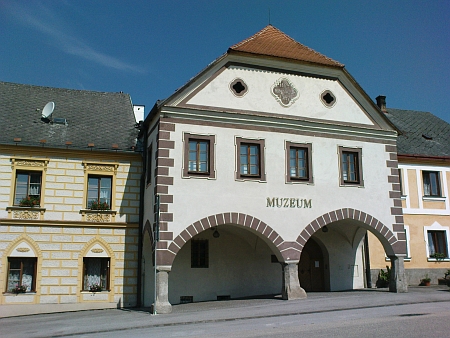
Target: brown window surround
[
  {"x": 254, "y": 149},
  {"x": 295, "y": 153},
  {"x": 350, "y": 160},
  {"x": 209, "y": 171}
]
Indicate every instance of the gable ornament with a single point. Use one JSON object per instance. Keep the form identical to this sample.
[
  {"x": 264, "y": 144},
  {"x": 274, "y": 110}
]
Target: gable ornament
[{"x": 284, "y": 92}]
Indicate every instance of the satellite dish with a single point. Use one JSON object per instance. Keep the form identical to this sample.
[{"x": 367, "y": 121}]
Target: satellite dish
[{"x": 48, "y": 110}]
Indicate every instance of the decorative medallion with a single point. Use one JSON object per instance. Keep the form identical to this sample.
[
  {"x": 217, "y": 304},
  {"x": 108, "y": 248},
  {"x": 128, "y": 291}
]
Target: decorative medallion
[
  {"x": 284, "y": 92},
  {"x": 25, "y": 214},
  {"x": 23, "y": 249},
  {"x": 238, "y": 87},
  {"x": 97, "y": 250},
  {"x": 328, "y": 98},
  {"x": 101, "y": 218}
]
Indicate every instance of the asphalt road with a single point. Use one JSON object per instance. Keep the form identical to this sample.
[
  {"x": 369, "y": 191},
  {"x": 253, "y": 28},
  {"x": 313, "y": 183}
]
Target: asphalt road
[{"x": 422, "y": 312}]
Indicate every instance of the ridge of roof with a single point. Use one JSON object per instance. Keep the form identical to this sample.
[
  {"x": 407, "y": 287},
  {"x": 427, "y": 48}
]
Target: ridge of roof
[{"x": 271, "y": 41}]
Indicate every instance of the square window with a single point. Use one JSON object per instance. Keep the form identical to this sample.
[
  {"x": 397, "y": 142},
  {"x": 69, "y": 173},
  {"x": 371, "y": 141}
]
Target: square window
[
  {"x": 199, "y": 253},
  {"x": 437, "y": 244},
  {"x": 250, "y": 159},
  {"x": 199, "y": 156},
  {"x": 21, "y": 272},
  {"x": 351, "y": 166},
  {"x": 299, "y": 163},
  {"x": 95, "y": 273},
  {"x": 28, "y": 188},
  {"x": 431, "y": 183},
  {"x": 99, "y": 192}
]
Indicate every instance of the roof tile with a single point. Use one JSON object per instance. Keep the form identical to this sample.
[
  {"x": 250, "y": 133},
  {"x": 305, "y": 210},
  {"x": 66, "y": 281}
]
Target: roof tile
[{"x": 271, "y": 41}]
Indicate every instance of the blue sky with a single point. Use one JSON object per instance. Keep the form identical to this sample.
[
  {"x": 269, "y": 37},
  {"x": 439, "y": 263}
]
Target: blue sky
[{"x": 148, "y": 49}]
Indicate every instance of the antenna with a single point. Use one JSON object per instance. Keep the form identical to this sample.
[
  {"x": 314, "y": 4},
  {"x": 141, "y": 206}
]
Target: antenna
[
  {"x": 269, "y": 15},
  {"x": 48, "y": 110}
]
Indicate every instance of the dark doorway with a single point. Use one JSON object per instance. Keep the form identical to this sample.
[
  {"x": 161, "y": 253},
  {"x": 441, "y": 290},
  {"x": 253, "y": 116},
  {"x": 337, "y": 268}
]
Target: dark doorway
[{"x": 311, "y": 267}]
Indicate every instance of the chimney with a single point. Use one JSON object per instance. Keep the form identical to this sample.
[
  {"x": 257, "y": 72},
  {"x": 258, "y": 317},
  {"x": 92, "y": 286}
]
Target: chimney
[
  {"x": 381, "y": 103},
  {"x": 138, "y": 112}
]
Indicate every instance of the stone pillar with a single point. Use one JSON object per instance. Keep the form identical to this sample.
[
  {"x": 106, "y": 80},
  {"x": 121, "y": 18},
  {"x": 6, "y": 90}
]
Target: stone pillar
[
  {"x": 291, "y": 285},
  {"x": 398, "y": 282},
  {"x": 162, "y": 304}
]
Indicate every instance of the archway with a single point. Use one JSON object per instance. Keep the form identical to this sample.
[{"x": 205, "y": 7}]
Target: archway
[{"x": 342, "y": 232}]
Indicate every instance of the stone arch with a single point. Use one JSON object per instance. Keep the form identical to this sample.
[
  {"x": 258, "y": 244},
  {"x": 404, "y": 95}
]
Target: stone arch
[
  {"x": 391, "y": 243},
  {"x": 244, "y": 220}
]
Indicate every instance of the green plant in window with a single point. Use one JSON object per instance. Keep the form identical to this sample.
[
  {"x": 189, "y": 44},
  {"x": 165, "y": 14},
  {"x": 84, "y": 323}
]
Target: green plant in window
[
  {"x": 96, "y": 205},
  {"x": 95, "y": 288},
  {"x": 438, "y": 255},
  {"x": 19, "y": 289},
  {"x": 29, "y": 201}
]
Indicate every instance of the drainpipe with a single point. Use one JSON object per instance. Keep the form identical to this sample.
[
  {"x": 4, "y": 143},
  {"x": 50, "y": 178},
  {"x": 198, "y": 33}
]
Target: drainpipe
[
  {"x": 141, "y": 220},
  {"x": 367, "y": 260}
]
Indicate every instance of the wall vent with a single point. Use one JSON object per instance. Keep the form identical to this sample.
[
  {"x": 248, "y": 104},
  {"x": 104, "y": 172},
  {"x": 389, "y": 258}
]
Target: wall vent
[
  {"x": 226, "y": 297},
  {"x": 186, "y": 299}
]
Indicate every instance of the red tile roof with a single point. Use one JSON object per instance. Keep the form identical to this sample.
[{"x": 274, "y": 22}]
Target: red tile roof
[{"x": 271, "y": 41}]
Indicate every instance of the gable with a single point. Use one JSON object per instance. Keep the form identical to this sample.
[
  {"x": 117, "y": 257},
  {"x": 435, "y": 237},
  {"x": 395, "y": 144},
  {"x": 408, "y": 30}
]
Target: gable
[{"x": 277, "y": 92}]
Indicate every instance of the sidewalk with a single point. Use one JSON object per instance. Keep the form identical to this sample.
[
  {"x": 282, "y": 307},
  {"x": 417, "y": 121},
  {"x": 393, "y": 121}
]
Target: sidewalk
[
  {"x": 59, "y": 324},
  {"x": 253, "y": 308}
]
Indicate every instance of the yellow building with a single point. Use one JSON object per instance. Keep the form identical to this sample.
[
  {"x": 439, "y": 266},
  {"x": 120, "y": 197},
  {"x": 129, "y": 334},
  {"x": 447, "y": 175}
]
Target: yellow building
[
  {"x": 424, "y": 168},
  {"x": 69, "y": 197}
]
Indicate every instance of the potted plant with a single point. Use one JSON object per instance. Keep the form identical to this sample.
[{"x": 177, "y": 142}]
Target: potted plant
[
  {"x": 19, "y": 289},
  {"x": 95, "y": 288},
  {"x": 97, "y": 205},
  {"x": 29, "y": 201},
  {"x": 383, "y": 278},
  {"x": 425, "y": 281},
  {"x": 438, "y": 255}
]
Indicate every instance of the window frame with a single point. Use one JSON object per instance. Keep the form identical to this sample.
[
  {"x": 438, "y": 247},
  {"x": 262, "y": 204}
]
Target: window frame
[
  {"x": 260, "y": 143},
  {"x": 21, "y": 259},
  {"x": 199, "y": 247},
  {"x": 99, "y": 176},
  {"x": 308, "y": 148},
  {"x": 211, "y": 140},
  {"x": 427, "y": 173},
  {"x": 85, "y": 285},
  {"x": 29, "y": 173},
  {"x": 436, "y": 227},
  {"x": 359, "y": 169}
]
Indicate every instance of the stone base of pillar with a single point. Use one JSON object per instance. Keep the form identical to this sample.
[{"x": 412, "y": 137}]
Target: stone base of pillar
[
  {"x": 398, "y": 281},
  {"x": 162, "y": 304},
  {"x": 291, "y": 285}
]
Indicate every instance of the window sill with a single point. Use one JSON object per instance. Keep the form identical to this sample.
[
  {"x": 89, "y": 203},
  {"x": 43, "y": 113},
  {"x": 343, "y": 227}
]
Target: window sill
[
  {"x": 98, "y": 216},
  {"x": 438, "y": 260},
  {"x": 30, "y": 213},
  {"x": 31, "y": 293},
  {"x": 88, "y": 292},
  {"x": 433, "y": 198},
  {"x": 405, "y": 259}
]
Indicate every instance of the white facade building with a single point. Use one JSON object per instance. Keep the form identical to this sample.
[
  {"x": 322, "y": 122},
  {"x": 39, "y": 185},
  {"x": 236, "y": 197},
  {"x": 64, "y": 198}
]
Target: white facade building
[{"x": 270, "y": 165}]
